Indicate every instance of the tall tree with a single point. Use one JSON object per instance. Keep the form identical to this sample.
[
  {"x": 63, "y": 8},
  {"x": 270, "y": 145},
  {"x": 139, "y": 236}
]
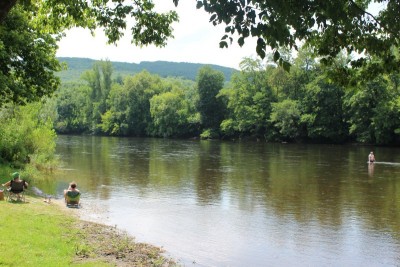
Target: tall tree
[
  {"x": 323, "y": 112},
  {"x": 72, "y": 107},
  {"x": 99, "y": 80},
  {"x": 140, "y": 89},
  {"x": 249, "y": 101},
  {"x": 373, "y": 112},
  {"x": 114, "y": 120},
  {"x": 211, "y": 107},
  {"x": 27, "y": 59}
]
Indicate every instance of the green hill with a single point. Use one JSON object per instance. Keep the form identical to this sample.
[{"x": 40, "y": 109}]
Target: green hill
[{"x": 76, "y": 66}]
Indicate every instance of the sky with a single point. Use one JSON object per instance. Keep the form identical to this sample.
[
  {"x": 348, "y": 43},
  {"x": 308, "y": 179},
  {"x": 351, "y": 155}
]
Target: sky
[{"x": 196, "y": 40}]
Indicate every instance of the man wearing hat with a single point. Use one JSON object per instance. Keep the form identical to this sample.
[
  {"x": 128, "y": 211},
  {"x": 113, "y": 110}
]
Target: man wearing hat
[{"x": 16, "y": 179}]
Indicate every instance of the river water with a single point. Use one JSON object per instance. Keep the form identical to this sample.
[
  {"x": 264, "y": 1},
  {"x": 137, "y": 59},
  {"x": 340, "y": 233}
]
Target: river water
[{"x": 211, "y": 203}]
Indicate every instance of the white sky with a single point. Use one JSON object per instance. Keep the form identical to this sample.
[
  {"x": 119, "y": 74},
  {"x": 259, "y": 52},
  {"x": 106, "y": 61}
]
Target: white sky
[{"x": 196, "y": 41}]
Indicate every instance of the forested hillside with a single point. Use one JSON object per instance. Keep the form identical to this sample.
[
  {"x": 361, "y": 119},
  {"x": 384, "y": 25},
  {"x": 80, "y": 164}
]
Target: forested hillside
[{"x": 76, "y": 66}]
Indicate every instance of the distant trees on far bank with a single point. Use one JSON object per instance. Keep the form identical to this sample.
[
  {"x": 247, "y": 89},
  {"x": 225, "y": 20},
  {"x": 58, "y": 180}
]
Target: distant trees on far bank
[{"x": 261, "y": 101}]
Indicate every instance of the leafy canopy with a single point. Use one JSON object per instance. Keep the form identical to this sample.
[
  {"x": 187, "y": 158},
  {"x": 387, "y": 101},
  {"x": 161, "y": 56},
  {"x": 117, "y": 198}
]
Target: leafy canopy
[
  {"x": 148, "y": 27},
  {"x": 329, "y": 26},
  {"x": 27, "y": 60},
  {"x": 30, "y": 29}
]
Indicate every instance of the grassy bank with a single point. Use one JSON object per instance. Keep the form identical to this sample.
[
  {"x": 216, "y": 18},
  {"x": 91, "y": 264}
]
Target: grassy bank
[{"x": 39, "y": 234}]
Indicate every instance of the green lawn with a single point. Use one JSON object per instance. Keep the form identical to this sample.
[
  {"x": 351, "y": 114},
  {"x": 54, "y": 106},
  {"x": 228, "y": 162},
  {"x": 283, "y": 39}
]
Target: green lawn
[
  {"x": 38, "y": 234},
  {"x": 35, "y": 233}
]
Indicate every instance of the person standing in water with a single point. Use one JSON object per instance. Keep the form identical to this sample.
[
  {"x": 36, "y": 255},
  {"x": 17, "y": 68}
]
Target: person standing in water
[{"x": 371, "y": 157}]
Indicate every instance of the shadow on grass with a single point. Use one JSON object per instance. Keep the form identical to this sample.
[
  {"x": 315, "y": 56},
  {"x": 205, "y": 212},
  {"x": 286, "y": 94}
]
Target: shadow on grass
[{"x": 17, "y": 202}]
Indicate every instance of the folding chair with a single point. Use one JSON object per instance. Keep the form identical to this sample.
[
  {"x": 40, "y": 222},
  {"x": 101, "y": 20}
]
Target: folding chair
[
  {"x": 16, "y": 191},
  {"x": 72, "y": 199}
]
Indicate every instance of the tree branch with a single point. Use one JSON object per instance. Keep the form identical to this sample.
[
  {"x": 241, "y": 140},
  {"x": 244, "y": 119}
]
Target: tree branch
[{"x": 375, "y": 19}]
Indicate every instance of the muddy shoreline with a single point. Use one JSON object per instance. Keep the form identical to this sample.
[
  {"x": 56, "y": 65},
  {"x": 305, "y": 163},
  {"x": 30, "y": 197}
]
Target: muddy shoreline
[{"x": 109, "y": 244}]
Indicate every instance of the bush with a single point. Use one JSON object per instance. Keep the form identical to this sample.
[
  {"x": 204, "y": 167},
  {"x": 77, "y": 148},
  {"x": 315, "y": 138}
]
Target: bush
[
  {"x": 27, "y": 135},
  {"x": 209, "y": 134}
]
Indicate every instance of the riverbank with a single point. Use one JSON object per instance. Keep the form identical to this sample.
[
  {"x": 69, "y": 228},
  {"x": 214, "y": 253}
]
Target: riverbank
[{"x": 38, "y": 233}]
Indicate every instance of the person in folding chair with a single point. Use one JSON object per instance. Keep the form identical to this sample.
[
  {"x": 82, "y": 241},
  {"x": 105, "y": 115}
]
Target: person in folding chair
[
  {"x": 72, "y": 195},
  {"x": 16, "y": 188}
]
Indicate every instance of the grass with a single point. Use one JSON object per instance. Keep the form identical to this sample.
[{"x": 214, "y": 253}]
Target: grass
[
  {"x": 39, "y": 234},
  {"x": 36, "y": 234}
]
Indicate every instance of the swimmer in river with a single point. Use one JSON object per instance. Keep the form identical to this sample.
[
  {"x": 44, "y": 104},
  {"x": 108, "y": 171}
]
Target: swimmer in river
[{"x": 371, "y": 157}]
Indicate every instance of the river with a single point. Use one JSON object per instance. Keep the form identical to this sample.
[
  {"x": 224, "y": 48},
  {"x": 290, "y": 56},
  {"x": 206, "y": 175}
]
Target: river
[{"x": 212, "y": 203}]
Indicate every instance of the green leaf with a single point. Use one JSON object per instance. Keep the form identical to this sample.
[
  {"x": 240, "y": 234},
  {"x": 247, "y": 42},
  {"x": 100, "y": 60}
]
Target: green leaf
[
  {"x": 212, "y": 18},
  {"x": 277, "y": 56},
  {"x": 198, "y": 5},
  {"x": 286, "y": 66},
  {"x": 223, "y": 44},
  {"x": 241, "y": 41},
  {"x": 228, "y": 29}
]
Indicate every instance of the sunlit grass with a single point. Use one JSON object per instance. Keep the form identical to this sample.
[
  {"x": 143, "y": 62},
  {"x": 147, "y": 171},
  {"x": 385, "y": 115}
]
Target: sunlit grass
[{"x": 38, "y": 234}]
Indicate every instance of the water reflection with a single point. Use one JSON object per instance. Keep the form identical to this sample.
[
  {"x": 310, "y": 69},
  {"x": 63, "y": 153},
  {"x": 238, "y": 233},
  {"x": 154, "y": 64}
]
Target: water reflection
[
  {"x": 371, "y": 167},
  {"x": 243, "y": 204}
]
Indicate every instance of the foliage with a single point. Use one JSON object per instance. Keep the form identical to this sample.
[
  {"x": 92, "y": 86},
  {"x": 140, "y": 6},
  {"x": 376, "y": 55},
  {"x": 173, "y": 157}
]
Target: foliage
[
  {"x": 261, "y": 101},
  {"x": 323, "y": 113},
  {"x": 386, "y": 122},
  {"x": 209, "y": 134},
  {"x": 173, "y": 112},
  {"x": 209, "y": 83},
  {"x": 29, "y": 31},
  {"x": 249, "y": 101},
  {"x": 114, "y": 119},
  {"x": 72, "y": 109},
  {"x": 27, "y": 135},
  {"x": 129, "y": 105},
  {"x": 328, "y": 26},
  {"x": 149, "y": 27},
  {"x": 285, "y": 116},
  {"x": 373, "y": 112},
  {"x": 27, "y": 59},
  {"x": 99, "y": 81}
]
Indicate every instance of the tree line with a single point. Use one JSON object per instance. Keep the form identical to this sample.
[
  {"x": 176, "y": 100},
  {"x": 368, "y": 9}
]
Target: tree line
[{"x": 262, "y": 101}]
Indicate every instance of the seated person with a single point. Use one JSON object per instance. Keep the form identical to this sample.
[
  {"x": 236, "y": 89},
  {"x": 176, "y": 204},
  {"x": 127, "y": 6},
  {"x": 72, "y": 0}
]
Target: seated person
[
  {"x": 72, "y": 194},
  {"x": 16, "y": 185}
]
